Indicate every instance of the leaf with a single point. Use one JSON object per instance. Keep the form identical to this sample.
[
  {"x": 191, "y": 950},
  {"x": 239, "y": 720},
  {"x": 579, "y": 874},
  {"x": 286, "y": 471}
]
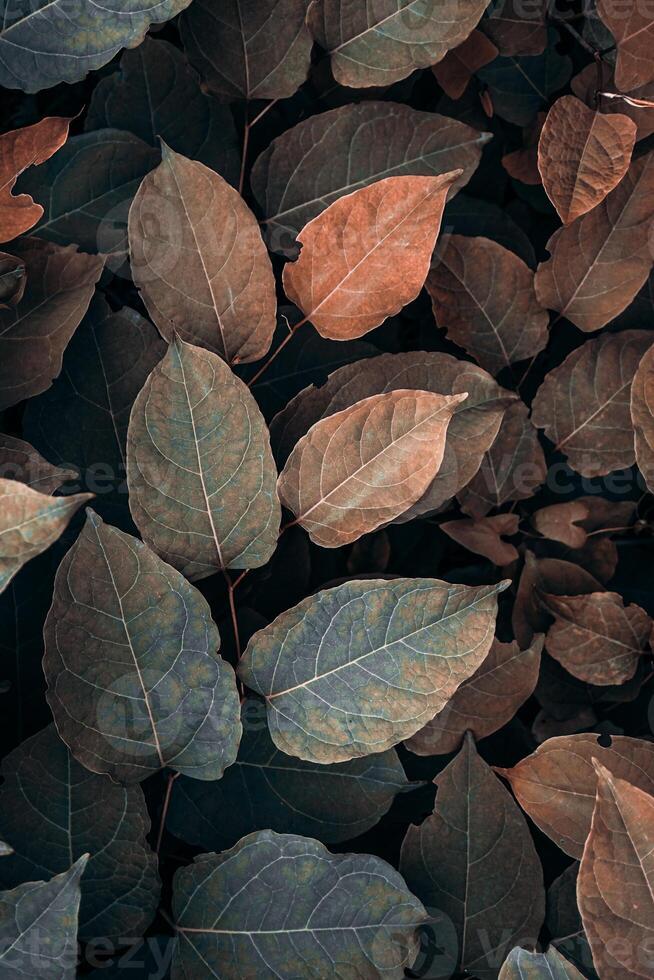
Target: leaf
[
  {"x": 38, "y": 927},
  {"x": 545, "y": 575},
  {"x": 522, "y": 164},
  {"x": 248, "y": 51},
  {"x": 485, "y": 702},
  {"x": 20, "y": 461},
  {"x": 88, "y": 187},
  {"x": 82, "y": 419},
  {"x": 20, "y": 149},
  {"x": 380, "y": 45},
  {"x": 12, "y": 280},
  {"x": 455, "y": 71},
  {"x": 614, "y": 887},
  {"x": 333, "y": 153},
  {"x": 393, "y": 654},
  {"x": 54, "y": 811},
  {"x": 484, "y": 536},
  {"x": 473, "y": 859},
  {"x": 599, "y": 262},
  {"x": 267, "y": 789},
  {"x": 583, "y": 404},
  {"x": 60, "y": 284},
  {"x": 367, "y": 255},
  {"x": 155, "y": 93},
  {"x": 584, "y": 86},
  {"x": 304, "y": 910},
  {"x": 52, "y": 42},
  {"x": 484, "y": 296},
  {"x": 29, "y": 523},
  {"x": 512, "y": 469},
  {"x": 472, "y": 429},
  {"x": 556, "y": 784},
  {"x": 199, "y": 466},
  {"x": 642, "y": 416},
  {"x": 472, "y": 216},
  {"x": 364, "y": 466},
  {"x": 582, "y": 155},
  {"x": 516, "y": 28},
  {"x": 550, "y": 965},
  {"x": 632, "y": 26},
  {"x": 596, "y": 637},
  {"x": 134, "y": 679},
  {"x": 563, "y": 919},
  {"x": 199, "y": 261},
  {"x": 563, "y": 522}
]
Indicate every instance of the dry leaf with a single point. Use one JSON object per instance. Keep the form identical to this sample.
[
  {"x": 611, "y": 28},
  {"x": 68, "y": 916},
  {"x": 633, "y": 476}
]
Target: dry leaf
[
  {"x": 584, "y": 86},
  {"x": 20, "y": 461},
  {"x": 583, "y": 405},
  {"x": 13, "y": 280},
  {"x": 199, "y": 260},
  {"x": 367, "y": 255},
  {"x": 582, "y": 155},
  {"x": 545, "y": 575},
  {"x": 517, "y": 28},
  {"x": 632, "y": 26},
  {"x": 364, "y": 466},
  {"x": 458, "y": 66},
  {"x": 522, "y": 164},
  {"x": 551, "y": 965},
  {"x": 484, "y": 536},
  {"x": 483, "y": 295},
  {"x": 642, "y": 416},
  {"x": 561, "y": 522}
]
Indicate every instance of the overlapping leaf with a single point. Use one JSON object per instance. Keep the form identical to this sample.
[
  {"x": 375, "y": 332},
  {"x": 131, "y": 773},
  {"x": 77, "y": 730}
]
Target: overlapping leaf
[
  {"x": 632, "y": 26},
  {"x": 459, "y": 65},
  {"x": 484, "y": 536},
  {"x": 199, "y": 467},
  {"x": 642, "y": 416},
  {"x": 135, "y": 682},
  {"x": 550, "y": 965},
  {"x": 20, "y": 461},
  {"x": 12, "y": 280},
  {"x": 545, "y": 575},
  {"x": 357, "y": 668}
]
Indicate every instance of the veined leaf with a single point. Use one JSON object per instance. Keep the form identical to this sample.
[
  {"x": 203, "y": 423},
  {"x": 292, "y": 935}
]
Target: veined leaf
[
  {"x": 135, "y": 683},
  {"x": 642, "y": 416},
  {"x": 199, "y": 466},
  {"x": 484, "y": 536},
  {"x": 550, "y": 965},
  {"x": 199, "y": 260},
  {"x": 367, "y": 255},
  {"x": 362, "y": 467},
  {"x": 282, "y": 905},
  {"x": 20, "y": 461},
  {"x": 632, "y": 26},
  {"x": 53, "y": 41},
  {"x": 556, "y": 784},
  {"x": 459, "y": 65},
  {"x": 355, "y": 669},
  {"x": 475, "y": 861},
  {"x": 54, "y": 811},
  {"x": 29, "y": 523}
]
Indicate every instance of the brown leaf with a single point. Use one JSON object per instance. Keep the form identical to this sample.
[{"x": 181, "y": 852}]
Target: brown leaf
[
  {"x": 484, "y": 536},
  {"x": 485, "y": 702},
  {"x": 561, "y": 522},
  {"x": 584, "y": 86},
  {"x": 642, "y": 416},
  {"x": 199, "y": 260},
  {"x": 20, "y": 461},
  {"x": 522, "y": 164},
  {"x": 458, "y": 66},
  {"x": 483, "y": 295},
  {"x": 516, "y": 28},
  {"x": 20, "y": 149},
  {"x": 596, "y": 637},
  {"x": 60, "y": 284},
  {"x": 632, "y": 26},
  {"x": 12, "y": 280},
  {"x": 551, "y": 965},
  {"x": 545, "y": 575},
  {"x": 362, "y": 467},
  {"x": 583, "y": 405},
  {"x": 512, "y": 469},
  {"x": 474, "y": 860},
  {"x": 556, "y": 784},
  {"x": 367, "y": 255},
  {"x": 599, "y": 262},
  {"x": 582, "y": 155},
  {"x": 615, "y": 885}
]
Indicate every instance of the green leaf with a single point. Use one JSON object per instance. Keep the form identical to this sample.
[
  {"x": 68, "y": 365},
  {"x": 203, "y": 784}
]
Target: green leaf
[
  {"x": 355, "y": 669},
  {"x": 278, "y": 905},
  {"x": 54, "y": 811},
  {"x": 134, "y": 680},
  {"x": 29, "y": 523},
  {"x": 38, "y": 927},
  {"x": 334, "y": 153},
  {"x": 267, "y": 789},
  {"x": 474, "y": 860},
  {"x": 201, "y": 475},
  {"x": 52, "y": 41}
]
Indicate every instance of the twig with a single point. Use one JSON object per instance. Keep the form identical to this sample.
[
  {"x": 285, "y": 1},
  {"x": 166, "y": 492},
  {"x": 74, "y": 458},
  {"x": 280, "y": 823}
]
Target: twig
[
  {"x": 232, "y": 609},
  {"x": 246, "y": 139},
  {"x": 264, "y": 367}
]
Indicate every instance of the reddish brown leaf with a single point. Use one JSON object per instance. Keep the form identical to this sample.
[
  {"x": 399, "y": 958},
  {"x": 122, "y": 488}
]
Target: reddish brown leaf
[
  {"x": 584, "y": 86},
  {"x": 484, "y": 536},
  {"x": 642, "y": 416},
  {"x": 582, "y": 155},
  {"x": 12, "y": 280},
  {"x": 523, "y": 164},
  {"x": 583, "y": 405},
  {"x": 599, "y": 262},
  {"x": 556, "y": 784},
  {"x": 517, "y": 28},
  {"x": 20, "y": 149},
  {"x": 545, "y": 575},
  {"x": 483, "y": 294},
  {"x": 615, "y": 885},
  {"x": 362, "y": 467},
  {"x": 632, "y": 25},
  {"x": 458, "y": 66},
  {"x": 561, "y": 522},
  {"x": 596, "y": 637},
  {"x": 485, "y": 702},
  {"x": 367, "y": 254}
]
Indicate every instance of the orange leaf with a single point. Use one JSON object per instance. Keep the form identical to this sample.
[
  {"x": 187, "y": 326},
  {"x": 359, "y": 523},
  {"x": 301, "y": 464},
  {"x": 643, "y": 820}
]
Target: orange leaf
[
  {"x": 458, "y": 66},
  {"x": 632, "y": 25}
]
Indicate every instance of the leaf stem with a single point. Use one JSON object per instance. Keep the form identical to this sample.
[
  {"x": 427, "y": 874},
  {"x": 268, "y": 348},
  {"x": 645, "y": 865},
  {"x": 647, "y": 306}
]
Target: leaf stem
[
  {"x": 232, "y": 609},
  {"x": 164, "y": 812},
  {"x": 246, "y": 139},
  {"x": 264, "y": 367}
]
